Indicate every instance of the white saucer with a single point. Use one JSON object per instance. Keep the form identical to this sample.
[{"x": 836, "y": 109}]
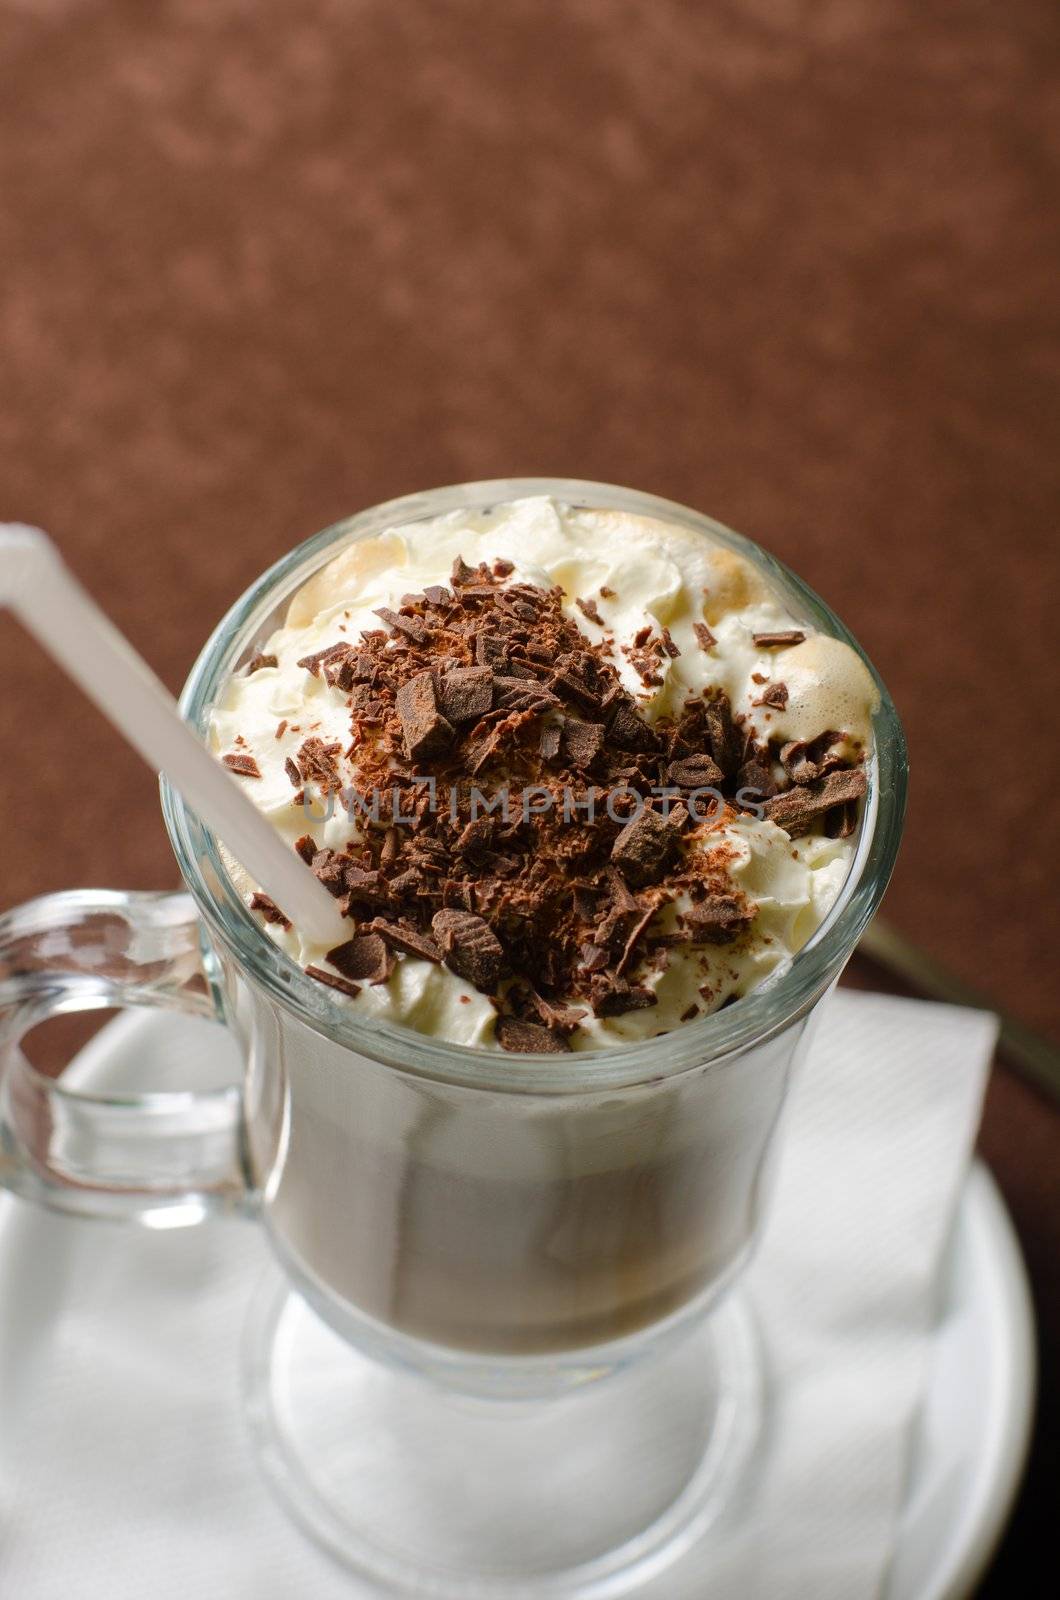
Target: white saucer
[{"x": 967, "y": 1460}]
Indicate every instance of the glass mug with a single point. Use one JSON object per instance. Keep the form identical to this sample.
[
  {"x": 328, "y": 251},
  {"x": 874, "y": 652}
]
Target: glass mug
[{"x": 493, "y": 1273}]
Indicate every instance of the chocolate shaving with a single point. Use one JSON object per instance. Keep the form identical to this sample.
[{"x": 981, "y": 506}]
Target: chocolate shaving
[
  {"x": 840, "y": 823},
  {"x": 722, "y": 733},
  {"x": 755, "y": 778},
  {"x": 330, "y": 867},
  {"x": 425, "y": 730},
  {"x": 489, "y": 649},
  {"x": 292, "y": 771},
  {"x": 269, "y": 909},
  {"x": 796, "y": 810},
  {"x": 695, "y": 772},
  {"x": 318, "y": 763},
  {"x": 465, "y": 694},
  {"x": 797, "y": 762},
  {"x": 365, "y": 958},
  {"x": 629, "y": 731},
  {"x": 314, "y": 662},
  {"x": 522, "y": 694},
  {"x": 779, "y": 639},
  {"x": 528, "y": 1038},
  {"x": 590, "y": 609},
  {"x": 704, "y": 637},
  {"x": 470, "y": 947},
  {"x": 476, "y": 837},
  {"x": 623, "y": 899},
  {"x": 407, "y": 883},
  {"x": 577, "y": 675},
  {"x": 408, "y": 940},
  {"x": 258, "y": 661},
  {"x": 333, "y": 981},
  {"x": 461, "y": 573},
  {"x": 245, "y": 766},
  {"x": 584, "y": 898},
  {"x": 803, "y": 762},
  {"x": 306, "y": 847},
  {"x": 613, "y": 997},
  {"x": 718, "y": 919},
  {"x": 483, "y": 750},
  {"x": 343, "y": 670},
  {"x": 645, "y": 847},
  {"x": 592, "y": 957},
  {"x": 363, "y": 887},
  {"x": 646, "y": 665},
  {"x": 633, "y": 938},
  {"x": 557, "y": 1018},
  {"x": 775, "y": 696},
  {"x": 414, "y": 627},
  {"x": 582, "y": 742}
]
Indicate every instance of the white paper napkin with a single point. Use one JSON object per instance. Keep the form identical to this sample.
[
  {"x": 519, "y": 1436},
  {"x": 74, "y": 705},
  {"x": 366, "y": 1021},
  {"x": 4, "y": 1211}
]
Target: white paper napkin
[{"x": 124, "y": 1465}]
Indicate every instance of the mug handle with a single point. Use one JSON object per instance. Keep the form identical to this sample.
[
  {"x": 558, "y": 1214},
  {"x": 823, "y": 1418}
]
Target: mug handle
[{"x": 169, "y": 1158}]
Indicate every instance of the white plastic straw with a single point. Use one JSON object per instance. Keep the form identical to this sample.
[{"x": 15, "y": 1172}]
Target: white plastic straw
[{"x": 41, "y": 590}]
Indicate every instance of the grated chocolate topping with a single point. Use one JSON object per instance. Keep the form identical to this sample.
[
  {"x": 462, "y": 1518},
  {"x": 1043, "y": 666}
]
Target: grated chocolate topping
[{"x": 557, "y": 906}]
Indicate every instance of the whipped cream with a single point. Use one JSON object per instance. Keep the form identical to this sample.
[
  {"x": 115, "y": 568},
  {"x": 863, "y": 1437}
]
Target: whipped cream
[{"x": 640, "y": 573}]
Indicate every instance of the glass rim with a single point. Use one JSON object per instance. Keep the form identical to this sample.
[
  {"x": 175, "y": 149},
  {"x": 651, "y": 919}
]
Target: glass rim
[{"x": 776, "y": 1002}]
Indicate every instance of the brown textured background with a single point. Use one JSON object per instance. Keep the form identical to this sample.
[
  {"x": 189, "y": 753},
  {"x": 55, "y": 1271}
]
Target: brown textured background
[{"x": 790, "y": 261}]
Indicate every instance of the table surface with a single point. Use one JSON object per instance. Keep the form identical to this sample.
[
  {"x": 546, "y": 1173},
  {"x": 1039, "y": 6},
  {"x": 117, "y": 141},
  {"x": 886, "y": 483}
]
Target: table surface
[{"x": 794, "y": 264}]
